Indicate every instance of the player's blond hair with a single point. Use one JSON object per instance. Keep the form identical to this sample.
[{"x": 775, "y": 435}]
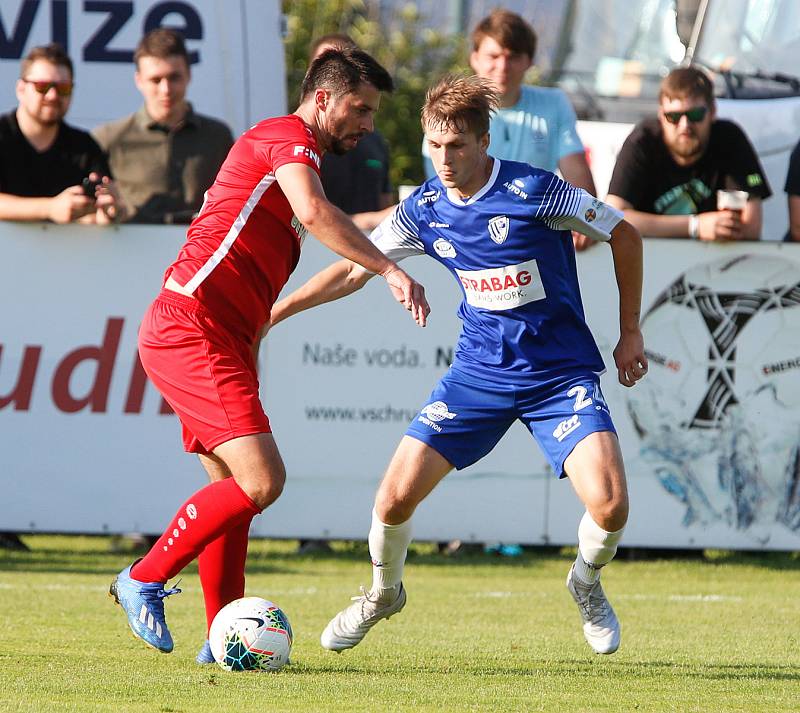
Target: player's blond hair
[{"x": 463, "y": 104}]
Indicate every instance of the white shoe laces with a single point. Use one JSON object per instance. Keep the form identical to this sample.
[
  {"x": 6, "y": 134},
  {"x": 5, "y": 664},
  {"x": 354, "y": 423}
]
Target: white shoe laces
[{"x": 363, "y": 611}]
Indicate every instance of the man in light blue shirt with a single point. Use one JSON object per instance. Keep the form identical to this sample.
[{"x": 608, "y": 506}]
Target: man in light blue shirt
[{"x": 535, "y": 125}]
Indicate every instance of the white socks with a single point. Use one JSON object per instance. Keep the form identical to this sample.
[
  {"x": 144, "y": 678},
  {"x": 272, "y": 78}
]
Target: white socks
[
  {"x": 388, "y": 545},
  {"x": 596, "y": 548}
]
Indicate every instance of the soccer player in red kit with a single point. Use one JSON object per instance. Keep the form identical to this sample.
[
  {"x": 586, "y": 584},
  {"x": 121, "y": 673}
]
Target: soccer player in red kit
[{"x": 197, "y": 340}]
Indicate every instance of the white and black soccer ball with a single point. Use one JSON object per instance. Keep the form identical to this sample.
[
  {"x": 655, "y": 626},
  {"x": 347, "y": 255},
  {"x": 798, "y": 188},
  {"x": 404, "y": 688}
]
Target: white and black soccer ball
[
  {"x": 251, "y": 634},
  {"x": 719, "y": 411},
  {"x": 720, "y": 333}
]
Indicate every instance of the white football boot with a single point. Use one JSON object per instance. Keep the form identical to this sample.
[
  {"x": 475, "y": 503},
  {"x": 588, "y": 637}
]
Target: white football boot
[
  {"x": 600, "y": 624},
  {"x": 351, "y": 625}
]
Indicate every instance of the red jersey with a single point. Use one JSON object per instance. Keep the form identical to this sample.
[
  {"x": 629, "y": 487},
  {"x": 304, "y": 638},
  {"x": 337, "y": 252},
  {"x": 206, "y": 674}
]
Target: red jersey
[{"x": 246, "y": 240}]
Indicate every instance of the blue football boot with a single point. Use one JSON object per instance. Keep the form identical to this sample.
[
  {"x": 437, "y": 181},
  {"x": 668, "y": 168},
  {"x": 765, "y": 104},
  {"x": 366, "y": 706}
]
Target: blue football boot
[
  {"x": 143, "y": 603},
  {"x": 205, "y": 656}
]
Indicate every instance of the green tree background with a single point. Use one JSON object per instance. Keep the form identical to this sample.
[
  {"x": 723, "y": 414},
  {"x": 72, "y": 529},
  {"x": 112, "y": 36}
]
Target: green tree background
[{"x": 400, "y": 40}]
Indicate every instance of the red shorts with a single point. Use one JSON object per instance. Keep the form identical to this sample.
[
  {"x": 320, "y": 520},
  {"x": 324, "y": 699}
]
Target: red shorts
[{"x": 206, "y": 374}]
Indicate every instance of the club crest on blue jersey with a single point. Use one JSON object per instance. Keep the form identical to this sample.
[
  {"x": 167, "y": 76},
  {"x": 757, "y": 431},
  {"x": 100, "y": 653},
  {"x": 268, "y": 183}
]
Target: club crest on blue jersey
[{"x": 498, "y": 228}]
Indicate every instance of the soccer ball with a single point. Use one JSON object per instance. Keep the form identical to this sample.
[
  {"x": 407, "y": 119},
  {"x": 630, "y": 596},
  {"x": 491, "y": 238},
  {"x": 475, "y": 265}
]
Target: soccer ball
[
  {"x": 719, "y": 334},
  {"x": 251, "y": 634},
  {"x": 719, "y": 411}
]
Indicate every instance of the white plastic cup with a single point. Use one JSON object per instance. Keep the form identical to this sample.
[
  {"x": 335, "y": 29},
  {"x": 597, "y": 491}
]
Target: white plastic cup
[{"x": 731, "y": 200}]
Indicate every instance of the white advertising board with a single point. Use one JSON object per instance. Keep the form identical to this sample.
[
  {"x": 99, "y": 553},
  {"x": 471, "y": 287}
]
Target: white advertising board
[
  {"x": 710, "y": 437},
  {"x": 236, "y": 51}
]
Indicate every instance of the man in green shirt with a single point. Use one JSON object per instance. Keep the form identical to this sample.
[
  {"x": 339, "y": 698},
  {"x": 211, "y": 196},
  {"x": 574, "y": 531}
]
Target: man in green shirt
[{"x": 165, "y": 156}]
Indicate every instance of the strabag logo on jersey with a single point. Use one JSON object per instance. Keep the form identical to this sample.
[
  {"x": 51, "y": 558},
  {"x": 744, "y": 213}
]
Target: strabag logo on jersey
[
  {"x": 428, "y": 197},
  {"x": 444, "y": 248},
  {"x": 435, "y": 412},
  {"x": 498, "y": 228},
  {"x": 308, "y": 153},
  {"x": 500, "y": 288}
]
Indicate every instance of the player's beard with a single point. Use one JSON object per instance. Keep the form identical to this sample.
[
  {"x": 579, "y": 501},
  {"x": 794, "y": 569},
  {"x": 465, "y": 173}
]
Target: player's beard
[{"x": 341, "y": 145}]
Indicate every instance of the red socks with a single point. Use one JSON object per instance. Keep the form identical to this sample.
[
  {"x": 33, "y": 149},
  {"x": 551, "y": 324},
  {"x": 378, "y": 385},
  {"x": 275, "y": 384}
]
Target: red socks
[
  {"x": 217, "y": 509},
  {"x": 221, "y": 566}
]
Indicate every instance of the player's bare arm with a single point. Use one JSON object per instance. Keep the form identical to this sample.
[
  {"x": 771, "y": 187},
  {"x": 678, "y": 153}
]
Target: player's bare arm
[
  {"x": 335, "y": 281},
  {"x": 334, "y": 229},
  {"x": 626, "y": 248}
]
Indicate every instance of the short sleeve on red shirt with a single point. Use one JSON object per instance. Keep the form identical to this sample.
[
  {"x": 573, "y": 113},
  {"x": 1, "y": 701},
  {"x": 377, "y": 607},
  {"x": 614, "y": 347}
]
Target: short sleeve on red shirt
[{"x": 297, "y": 146}]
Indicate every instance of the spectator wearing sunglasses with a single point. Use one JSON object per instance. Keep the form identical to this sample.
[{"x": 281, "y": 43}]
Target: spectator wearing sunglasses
[
  {"x": 670, "y": 168},
  {"x": 43, "y": 160},
  {"x": 165, "y": 156}
]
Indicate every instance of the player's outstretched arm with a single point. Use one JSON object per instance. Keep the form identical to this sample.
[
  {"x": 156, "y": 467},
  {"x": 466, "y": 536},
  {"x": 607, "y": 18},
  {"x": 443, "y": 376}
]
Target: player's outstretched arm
[
  {"x": 335, "y": 281},
  {"x": 333, "y": 228},
  {"x": 626, "y": 248}
]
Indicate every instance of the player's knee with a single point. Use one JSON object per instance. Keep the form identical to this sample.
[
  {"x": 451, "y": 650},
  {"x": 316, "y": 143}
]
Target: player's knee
[
  {"x": 610, "y": 512},
  {"x": 265, "y": 490},
  {"x": 392, "y": 508}
]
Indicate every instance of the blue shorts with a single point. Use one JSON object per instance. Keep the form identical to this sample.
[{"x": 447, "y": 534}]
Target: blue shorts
[{"x": 466, "y": 417}]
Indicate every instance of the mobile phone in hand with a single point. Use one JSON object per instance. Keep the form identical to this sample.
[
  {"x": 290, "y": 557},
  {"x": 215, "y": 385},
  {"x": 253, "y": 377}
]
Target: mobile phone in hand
[{"x": 89, "y": 187}]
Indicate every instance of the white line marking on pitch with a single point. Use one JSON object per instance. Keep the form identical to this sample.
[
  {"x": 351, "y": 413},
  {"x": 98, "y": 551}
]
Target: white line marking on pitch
[{"x": 714, "y": 598}]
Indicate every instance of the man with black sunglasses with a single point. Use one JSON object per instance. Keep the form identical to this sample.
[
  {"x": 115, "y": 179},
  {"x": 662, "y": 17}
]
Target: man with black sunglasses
[
  {"x": 43, "y": 160},
  {"x": 669, "y": 169}
]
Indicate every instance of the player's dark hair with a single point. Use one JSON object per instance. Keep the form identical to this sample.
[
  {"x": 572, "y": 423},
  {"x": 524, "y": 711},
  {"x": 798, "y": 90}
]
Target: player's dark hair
[
  {"x": 508, "y": 29},
  {"x": 687, "y": 82},
  {"x": 460, "y": 104},
  {"x": 162, "y": 43},
  {"x": 53, "y": 53},
  {"x": 337, "y": 40},
  {"x": 340, "y": 71}
]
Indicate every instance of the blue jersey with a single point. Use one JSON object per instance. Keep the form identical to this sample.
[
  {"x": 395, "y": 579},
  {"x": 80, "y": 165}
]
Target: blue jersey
[{"x": 510, "y": 249}]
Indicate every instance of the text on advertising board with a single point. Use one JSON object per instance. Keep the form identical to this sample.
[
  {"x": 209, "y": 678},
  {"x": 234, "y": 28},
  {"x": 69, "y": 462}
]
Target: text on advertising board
[{"x": 113, "y": 16}]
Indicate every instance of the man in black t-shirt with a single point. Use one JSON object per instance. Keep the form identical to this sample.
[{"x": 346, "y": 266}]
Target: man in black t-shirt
[
  {"x": 669, "y": 169},
  {"x": 43, "y": 161},
  {"x": 792, "y": 189}
]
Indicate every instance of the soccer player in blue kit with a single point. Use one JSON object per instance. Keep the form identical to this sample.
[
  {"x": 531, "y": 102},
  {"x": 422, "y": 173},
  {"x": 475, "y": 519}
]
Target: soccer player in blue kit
[{"x": 503, "y": 229}]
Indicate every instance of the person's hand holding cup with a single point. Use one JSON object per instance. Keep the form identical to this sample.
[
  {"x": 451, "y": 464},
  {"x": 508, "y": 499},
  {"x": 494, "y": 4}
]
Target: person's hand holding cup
[
  {"x": 731, "y": 203},
  {"x": 732, "y": 200},
  {"x": 725, "y": 223}
]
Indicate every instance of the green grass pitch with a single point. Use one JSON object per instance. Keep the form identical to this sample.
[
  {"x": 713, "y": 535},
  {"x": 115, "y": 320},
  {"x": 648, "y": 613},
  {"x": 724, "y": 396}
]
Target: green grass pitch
[{"x": 719, "y": 633}]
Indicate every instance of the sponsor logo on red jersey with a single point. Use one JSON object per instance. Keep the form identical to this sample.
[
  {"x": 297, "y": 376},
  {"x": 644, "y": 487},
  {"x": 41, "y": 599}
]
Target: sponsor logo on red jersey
[{"x": 307, "y": 152}]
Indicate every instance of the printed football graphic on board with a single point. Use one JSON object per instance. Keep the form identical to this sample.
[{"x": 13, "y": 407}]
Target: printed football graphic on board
[{"x": 719, "y": 411}]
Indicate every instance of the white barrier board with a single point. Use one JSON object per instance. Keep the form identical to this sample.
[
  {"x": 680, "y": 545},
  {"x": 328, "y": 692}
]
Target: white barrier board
[
  {"x": 235, "y": 49},
  {"x": 710, "y": 437}
]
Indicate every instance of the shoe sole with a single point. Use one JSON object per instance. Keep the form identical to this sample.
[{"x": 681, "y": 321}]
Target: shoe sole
[{"x": 112, "y": 592}]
